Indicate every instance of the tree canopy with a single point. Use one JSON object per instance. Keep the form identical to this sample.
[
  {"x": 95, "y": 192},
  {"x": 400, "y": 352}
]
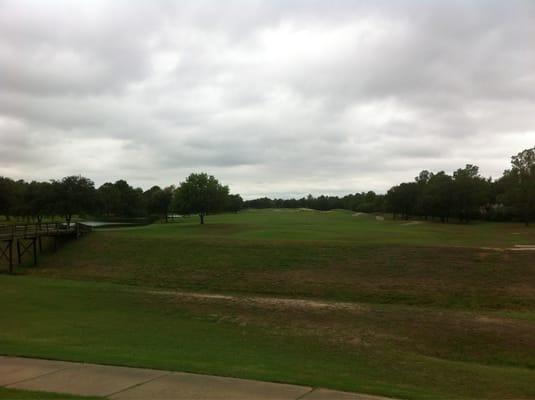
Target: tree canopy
[
  {"x": 464, "y": 195},
  {"x": 201, "y": 194}
]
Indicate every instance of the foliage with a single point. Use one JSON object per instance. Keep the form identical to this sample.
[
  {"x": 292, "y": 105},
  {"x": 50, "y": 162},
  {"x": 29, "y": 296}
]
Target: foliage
[
  {"x": 159, "y": 200},
  {"x": 519, "y": 184},
  {"x": 201, "y": 194},
  {"x": 73, "y": 195},
  {"x": 464, "y": 195}
]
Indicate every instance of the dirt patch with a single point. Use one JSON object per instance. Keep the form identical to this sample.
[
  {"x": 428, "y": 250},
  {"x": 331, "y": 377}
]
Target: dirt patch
[
  {"x": 269, "y": 302},
  {"x": 492, "y": 248},
  {"x": 491, "y": 320}
]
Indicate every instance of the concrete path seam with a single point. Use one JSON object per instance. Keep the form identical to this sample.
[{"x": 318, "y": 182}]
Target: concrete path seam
[
  {"x": 45, "y": 374},
  {"x": 164, "y": 373},
  {"x": 306, "y": 394}
]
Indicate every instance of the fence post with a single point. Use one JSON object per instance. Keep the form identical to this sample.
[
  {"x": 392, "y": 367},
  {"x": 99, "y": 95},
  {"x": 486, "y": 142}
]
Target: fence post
[{"x": 11, "y": 256}]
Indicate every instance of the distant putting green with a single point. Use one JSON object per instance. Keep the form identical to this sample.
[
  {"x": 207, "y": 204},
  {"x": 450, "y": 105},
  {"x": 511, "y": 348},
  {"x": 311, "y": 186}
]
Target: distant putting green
[{"x": 428, "y": 311}]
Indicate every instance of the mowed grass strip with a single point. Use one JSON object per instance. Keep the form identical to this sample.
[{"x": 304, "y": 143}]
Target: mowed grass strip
[
  {"x": 389, "y": 350},
  {"x": 341, "y": 225}
]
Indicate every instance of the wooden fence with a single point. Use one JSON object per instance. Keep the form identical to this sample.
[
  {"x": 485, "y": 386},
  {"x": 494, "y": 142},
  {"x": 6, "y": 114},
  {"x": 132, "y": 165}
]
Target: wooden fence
[{"x": 27, "y": 238}]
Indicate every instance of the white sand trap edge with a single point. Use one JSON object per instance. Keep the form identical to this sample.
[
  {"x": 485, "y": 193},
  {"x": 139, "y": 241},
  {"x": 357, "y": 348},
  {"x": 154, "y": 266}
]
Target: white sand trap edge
[
  {"x": 412, "y": 223},
  {"x": 523, "y": 247}
]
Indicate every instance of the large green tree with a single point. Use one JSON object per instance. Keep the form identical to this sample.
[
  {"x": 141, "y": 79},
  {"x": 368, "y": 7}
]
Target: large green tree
[
  {"x": 158, "y": 201},
  {"x": 201, "y": 194},
  {"x": 121, "y": 200},
  {"x": 403, "y": 198},
  {"x": 438, "y": 195},
  {"x": 520, "y": 184},
  {"x": 7, "y": 196},
  {"x": 470, "y": 192},
  {"x": 73, "y": 195}
]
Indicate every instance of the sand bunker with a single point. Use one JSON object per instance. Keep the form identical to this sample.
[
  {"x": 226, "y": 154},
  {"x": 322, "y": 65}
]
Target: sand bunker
[
  {"x": 523, "y": 247},
  {"x": 270, "y": 302},
  {"x": 379, "y": 218},
  {"x": 412, "y": 223}
]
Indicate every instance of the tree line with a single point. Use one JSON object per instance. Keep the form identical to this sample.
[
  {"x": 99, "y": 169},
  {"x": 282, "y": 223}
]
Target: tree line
[
  {"x": 463, "y": 195},
  {"x": 77, "y": 195},
  {"x": 368, "y": 202}
]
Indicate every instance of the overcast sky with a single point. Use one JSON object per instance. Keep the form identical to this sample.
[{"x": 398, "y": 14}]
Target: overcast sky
[{"x": 276, "y": 98}]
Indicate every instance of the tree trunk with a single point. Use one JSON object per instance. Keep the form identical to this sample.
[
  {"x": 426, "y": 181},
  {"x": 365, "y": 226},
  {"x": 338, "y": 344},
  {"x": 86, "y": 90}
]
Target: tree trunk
[{"x": 201, "y": 216}]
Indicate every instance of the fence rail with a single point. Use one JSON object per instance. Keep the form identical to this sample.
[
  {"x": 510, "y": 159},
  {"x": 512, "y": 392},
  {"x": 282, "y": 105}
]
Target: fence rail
[{"x": 28, "y": 238}]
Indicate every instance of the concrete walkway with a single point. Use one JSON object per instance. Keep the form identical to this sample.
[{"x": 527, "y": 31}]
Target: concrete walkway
[{"x": 137, "y": 383}]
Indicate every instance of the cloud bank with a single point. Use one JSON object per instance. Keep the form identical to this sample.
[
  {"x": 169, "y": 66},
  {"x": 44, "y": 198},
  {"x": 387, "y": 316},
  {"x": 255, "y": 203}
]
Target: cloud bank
[{"x": 273, "y": 97}]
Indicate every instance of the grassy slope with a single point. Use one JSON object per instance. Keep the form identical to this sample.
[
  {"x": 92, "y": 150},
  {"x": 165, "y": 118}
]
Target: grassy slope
[
  {"x": 115, "y": 324},
  {"x": 439, "y": 320},
  {"x": 312, "y": 254}
]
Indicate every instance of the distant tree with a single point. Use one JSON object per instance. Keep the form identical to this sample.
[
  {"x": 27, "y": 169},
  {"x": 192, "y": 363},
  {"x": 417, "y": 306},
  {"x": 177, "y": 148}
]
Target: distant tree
[
  {"x": 7, "y": 196},
  {"x": 263, "y": 202},
  {"x": 73, "y": 195},
  {"x": 402, "y": 199},
  {"x": 159, "y": 200},
  {"x": 121, "y": 200},
  {"x": 438, "y": 195},
  {"x": 422, "y": 206},
  {"x": 470, "y": 192},
  {"x": 200, "y": 194},
  {"x": 38, "y": 200},
  {"x": 520, "y": 184},
  {"x": 234, "y": 203},
  {"x": 131, "y": 201},
  {"x": 109, "y": 199}
]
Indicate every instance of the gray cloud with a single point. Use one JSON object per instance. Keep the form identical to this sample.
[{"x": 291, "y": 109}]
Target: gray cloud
[{"x": 273, "y": 97}]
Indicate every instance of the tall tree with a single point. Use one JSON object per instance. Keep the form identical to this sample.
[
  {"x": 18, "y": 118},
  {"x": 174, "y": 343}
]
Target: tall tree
[
  {"x": 470, "y": 192},
  {"x": 109, "y": 199},
  {"x": 521, "y": 179},
  {"x": 437, "y": 195},
  {"x": 234, "y": 203},
  {"x": 403, "y": 199},
  {"x": 39, "y": 200},
  {"x": 74, "y": 195},
  {"x": 159, "y": 200},
  {"x": 200, "y": 194},
  {"x": 7, "y": 196}
]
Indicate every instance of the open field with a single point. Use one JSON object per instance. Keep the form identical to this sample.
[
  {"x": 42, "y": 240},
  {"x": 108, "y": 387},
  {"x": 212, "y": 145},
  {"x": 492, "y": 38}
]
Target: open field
[
  {"x": 312, "y": 254},
  {"x": 322, "y": 299}
]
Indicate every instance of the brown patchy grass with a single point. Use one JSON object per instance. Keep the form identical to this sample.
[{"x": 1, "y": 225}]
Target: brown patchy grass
[
  {"x": 463, "y": 278},
  {"x": 484, "y": 338}
]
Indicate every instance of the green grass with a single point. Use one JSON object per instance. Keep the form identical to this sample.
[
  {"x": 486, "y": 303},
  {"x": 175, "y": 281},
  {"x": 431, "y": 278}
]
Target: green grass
[
  {"x": 313, "y": 254},
  {"x": 6, "y": 393},
  {"x": 434, "y": 314},
  {"x": 289, "y": 224},
  {"x": 384, "y": 350}
]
